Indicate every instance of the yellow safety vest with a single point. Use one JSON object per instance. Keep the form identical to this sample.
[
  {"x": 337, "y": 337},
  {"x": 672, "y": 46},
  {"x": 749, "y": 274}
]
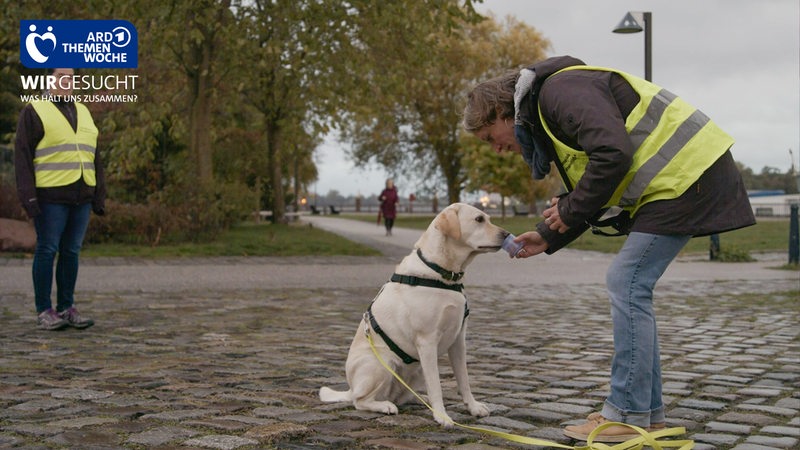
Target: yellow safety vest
[
  {"x": 64, "y": 155},
  {"x": 674, "y": 144}
]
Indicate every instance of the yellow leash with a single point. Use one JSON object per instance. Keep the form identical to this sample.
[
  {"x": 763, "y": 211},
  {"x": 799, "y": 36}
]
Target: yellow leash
[{"x": 647, "y": 438}]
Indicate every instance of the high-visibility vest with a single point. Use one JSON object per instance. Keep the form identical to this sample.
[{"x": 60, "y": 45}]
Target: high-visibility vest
[
  {"x": 64, "y": 155},
  {"x": 674, "y": 144}
]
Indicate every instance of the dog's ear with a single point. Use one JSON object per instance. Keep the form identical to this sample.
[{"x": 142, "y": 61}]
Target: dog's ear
[{"x": 447, "y": 222}]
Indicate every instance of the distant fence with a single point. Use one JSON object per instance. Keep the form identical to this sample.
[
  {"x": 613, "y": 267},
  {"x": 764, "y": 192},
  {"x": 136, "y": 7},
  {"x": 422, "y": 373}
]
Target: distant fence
[
  {"x": 350, "y": 207},
  {"x": 779, "y": 209},
  {"x": 771, "y": 209},
  {"x": 418, "y": 207}
]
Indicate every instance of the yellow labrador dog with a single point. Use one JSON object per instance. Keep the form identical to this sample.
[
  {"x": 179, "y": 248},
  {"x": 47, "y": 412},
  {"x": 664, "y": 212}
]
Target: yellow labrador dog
[{"x": 418, "y": 315}]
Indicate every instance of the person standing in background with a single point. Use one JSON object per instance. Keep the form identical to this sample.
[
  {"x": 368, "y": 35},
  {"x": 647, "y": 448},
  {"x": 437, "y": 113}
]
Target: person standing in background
[
  {"x": 389, "y": 200},
  {"x": 60, "y": 180}
]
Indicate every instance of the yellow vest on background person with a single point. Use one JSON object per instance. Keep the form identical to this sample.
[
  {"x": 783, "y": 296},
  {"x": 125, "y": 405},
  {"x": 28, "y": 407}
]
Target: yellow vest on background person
[
  {"x": 64, "y": 155},
  {"x": 674, "y": 145}
]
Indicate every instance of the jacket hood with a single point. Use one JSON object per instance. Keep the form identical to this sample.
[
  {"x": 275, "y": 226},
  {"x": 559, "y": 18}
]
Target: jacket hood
[
  {"x": 552, "y": 65},
  {"x": 544, "y": 69}
]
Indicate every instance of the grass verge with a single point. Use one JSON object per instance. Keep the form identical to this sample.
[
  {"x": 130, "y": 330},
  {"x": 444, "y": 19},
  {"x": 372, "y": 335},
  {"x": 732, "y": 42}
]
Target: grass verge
[
  {"x": 768, "y": 235},
  {"x": 245, "y": 240}
]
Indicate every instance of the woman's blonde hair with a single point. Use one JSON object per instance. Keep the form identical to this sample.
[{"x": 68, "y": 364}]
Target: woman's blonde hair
[{"x": 490, "y": 100}]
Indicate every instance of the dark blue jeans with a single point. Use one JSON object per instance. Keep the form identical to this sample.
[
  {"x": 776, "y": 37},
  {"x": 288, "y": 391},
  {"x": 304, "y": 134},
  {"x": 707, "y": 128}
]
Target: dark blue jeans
[{"x": 59, "y": 229}]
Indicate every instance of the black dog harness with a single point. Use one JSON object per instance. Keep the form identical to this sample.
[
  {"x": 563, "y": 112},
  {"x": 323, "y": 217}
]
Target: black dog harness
[{"x": 417, "y": 281}]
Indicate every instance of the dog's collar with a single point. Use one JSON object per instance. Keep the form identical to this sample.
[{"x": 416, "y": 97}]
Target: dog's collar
[
  {"x": 426, "y": 282},
  {"x": 446, "y": 274}
]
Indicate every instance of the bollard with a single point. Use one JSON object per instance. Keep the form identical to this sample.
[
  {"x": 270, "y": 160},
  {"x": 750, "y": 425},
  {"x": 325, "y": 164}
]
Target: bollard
[
  {"x": 713, "y": 249},
  {"x": 794, "y": 236}
]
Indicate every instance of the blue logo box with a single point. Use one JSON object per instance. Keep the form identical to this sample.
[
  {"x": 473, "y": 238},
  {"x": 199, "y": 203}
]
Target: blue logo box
[{"x": 78, "y": 44}]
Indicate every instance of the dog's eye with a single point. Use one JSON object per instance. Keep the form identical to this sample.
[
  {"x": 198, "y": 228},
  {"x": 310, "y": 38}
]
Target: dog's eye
[{"x": 480, "y": 219}]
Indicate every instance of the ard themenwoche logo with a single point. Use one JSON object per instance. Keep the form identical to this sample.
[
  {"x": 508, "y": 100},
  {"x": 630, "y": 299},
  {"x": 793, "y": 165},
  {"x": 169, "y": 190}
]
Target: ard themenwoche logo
[{"x": 111, "y": 44}]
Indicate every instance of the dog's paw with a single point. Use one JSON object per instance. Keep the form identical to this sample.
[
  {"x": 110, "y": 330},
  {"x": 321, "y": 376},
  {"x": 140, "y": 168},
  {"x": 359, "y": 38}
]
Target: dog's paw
[
  {"x": 443, "y": 419},
  {"x": 384, "y": 407},
  {"x": 389, "y": 408},
  {"x": 478, "y": 409}
]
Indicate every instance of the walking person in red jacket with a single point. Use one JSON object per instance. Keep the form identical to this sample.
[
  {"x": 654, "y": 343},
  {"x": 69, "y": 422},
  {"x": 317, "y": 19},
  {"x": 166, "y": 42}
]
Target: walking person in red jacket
[{"x": 389, "y": 199}]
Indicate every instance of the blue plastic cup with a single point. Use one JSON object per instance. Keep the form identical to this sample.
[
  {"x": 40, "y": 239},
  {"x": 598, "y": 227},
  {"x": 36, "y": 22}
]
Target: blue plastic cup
[{"x": 510, "y": 246}]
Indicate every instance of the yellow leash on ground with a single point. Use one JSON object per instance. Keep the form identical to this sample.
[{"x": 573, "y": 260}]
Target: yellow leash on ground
[{"x": 647, "y": 438}]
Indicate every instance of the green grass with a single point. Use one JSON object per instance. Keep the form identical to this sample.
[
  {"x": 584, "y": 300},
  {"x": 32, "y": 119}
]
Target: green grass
[
  {"x": 768, "y": 235},
  {"x": 245, "y": 240}
]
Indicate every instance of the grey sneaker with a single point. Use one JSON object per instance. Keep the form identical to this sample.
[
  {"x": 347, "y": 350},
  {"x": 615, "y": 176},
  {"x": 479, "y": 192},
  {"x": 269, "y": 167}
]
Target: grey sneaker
[
  {"x": 50, "y": 320},
  {"x": 74, "y": 319}
]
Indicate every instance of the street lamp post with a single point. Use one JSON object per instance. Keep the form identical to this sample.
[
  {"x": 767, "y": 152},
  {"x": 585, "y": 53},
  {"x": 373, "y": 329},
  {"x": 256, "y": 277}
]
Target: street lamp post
[{"x": 630, "y": 24}]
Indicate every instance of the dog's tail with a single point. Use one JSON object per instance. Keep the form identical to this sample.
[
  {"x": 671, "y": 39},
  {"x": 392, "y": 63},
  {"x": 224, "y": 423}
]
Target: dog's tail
[{"x": 328, "y": 395}]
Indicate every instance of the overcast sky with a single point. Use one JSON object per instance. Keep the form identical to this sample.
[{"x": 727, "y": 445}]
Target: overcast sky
[{"x": 736, "y": 60}]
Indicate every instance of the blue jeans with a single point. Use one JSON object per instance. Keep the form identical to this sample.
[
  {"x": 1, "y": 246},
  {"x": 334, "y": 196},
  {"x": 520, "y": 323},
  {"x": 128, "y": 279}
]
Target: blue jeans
[
  {"x": 59, "y": 229},
  {"x": 635, "y": 369}
]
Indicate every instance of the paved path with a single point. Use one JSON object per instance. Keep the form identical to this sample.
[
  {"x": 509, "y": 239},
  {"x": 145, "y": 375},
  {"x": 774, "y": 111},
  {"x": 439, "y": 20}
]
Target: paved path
[
  {"x": 228, "y": 353},
  {"x": 113, "y": 274}
]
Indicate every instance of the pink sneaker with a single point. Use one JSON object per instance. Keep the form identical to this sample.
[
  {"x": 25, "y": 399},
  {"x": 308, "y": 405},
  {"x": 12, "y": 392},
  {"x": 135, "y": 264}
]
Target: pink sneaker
[
  {"x": 49, "y": 320},
  {"x": 74, "y": 319}
]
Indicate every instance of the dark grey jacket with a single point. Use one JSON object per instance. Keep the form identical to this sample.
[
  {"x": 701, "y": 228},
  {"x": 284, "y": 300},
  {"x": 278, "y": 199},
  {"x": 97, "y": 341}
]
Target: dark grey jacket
[{"x": 587, "y": 110}]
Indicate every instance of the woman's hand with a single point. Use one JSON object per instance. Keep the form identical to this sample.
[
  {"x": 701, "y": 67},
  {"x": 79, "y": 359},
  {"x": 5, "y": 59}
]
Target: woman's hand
[
  {"x": 552, "y": 218},
  {"x": 532, "y": 244}
]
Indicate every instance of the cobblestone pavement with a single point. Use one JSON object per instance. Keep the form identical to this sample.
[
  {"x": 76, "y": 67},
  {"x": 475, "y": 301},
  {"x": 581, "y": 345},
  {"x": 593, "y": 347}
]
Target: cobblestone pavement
[{"x": 209, "y": 364}]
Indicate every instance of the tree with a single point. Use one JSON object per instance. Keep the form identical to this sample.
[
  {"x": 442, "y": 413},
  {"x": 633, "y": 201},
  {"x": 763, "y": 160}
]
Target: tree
[
  {"x": 245, "y": 89},
  {"x": 310, "y": 58},
  {"x": 295, "y": 47},
  {"x": 198, "y": 35},
  {"x": 506, "y": 174},
  {"x": 301, "y": 166},
  {"x": 770, "y": 178},
  {"x": 412, "y": 122}
]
